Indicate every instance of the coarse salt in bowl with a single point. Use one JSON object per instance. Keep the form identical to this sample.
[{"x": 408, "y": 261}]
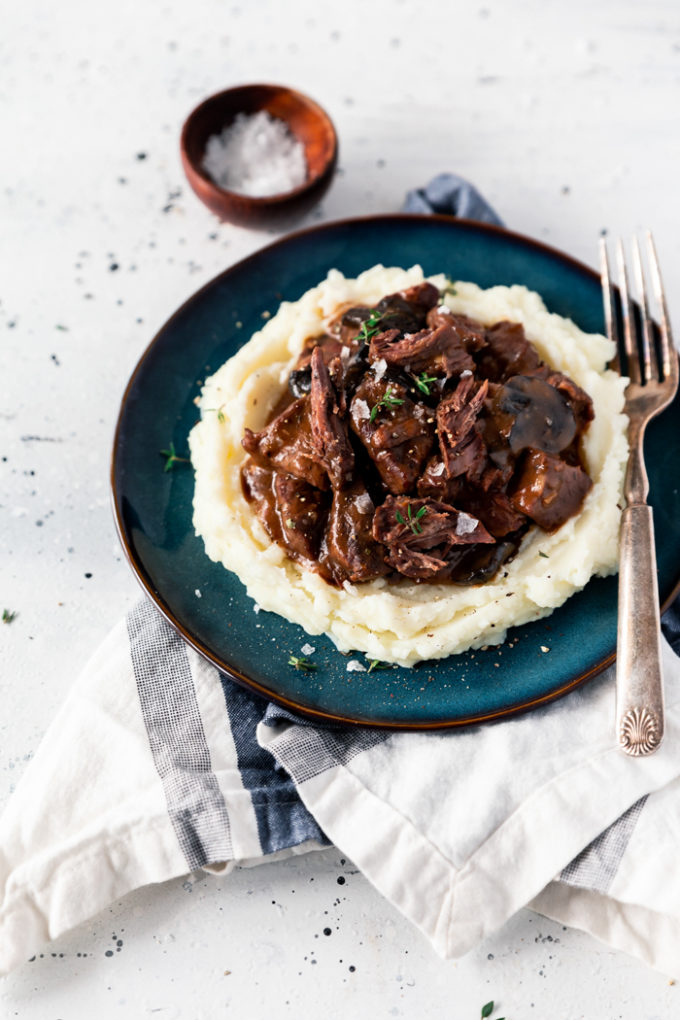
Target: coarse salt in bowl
[{"x": 255, "y": 153}]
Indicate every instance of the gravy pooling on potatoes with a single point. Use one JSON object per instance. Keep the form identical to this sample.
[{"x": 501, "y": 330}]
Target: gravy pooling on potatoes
[{"x": 413, "y": 442}]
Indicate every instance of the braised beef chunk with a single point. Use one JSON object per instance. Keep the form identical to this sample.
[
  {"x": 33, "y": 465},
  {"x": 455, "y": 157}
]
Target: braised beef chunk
[
  {"x": 407, "y": 310},
  {"x": 469, "y": 332},
  {"x": 292, "y": 511},
  {"x": 415, "y": 442},
  {"x": 494, "y": 509},
  {"x": 435, "y": 482},
  {"x": 349, "y": 551},
  {"x": 420, "y": 533},
  {"x": 548, "y": 490},
  {"x": 462, "y": 447},
  {"x": 530, "y": 412},
  {"x": 439, "y": 351},
  {"x": 257, "y": 483},
  {"x": 348, "y": 325},
  {"x": 329, "y": 431},
  {"x": 508, "y": 352},
  {"x": 397, "y": 433},
  {"x": 287, "y": 444},
  {"x": 578, "y": 400},
  {"x": 302, "y": 511}
]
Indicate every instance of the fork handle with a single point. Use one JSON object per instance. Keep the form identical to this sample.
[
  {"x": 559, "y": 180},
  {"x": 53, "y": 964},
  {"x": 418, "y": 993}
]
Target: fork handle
[{"x": 639, "y": 680}]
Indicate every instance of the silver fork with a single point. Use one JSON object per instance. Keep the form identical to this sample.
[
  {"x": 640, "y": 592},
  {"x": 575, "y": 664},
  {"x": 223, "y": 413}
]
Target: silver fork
[{"x": 653, "y": 384}]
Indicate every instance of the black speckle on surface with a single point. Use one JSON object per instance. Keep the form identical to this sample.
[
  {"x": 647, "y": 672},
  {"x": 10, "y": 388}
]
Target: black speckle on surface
[
  {"x": 88, "y": 575},
  {"x": 109, "y": 952},
  {"x": 39, "y": 524},
  {"x": 113, "y": 267},
  {"x": 341, "y": 880},
  {"x": 352, "y": 968},
  {"x": 141, "y": 156},
  {"x": 55, "y": 359},
  {"x": 327, "y": 931}
]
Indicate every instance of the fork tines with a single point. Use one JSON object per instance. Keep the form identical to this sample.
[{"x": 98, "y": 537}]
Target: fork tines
[{"x": 641, "y": 358}]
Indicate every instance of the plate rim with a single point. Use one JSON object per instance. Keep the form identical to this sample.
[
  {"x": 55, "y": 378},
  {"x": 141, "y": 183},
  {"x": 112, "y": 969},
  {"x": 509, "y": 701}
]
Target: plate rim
[{"x": 156, "y": 597}]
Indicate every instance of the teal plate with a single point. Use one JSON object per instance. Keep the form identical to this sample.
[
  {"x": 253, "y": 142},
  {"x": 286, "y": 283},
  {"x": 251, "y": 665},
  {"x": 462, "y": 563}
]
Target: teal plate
[{"x": 153, "y": 508}]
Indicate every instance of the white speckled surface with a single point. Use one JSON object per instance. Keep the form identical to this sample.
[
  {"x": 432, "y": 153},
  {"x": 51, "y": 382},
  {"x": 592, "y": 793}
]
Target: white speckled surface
[{"x": 565, "y": 115}]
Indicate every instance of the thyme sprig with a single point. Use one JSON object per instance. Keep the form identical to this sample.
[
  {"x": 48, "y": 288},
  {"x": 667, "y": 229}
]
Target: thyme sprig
[
  {"x": 450, "y": 287},
  {"x": 221, "y": 417},
  {"x": 171, "y": 458},
  {"x": 377, "y": 664},
  {"x": 412, "y": 522},
  {"x": 299, "y": 662},
  {"x": 369, "y": 327},
  {"x": 8, "y": 615},
  {"x": 388, "y": 401},
  {"x": 424, "y": 381}
]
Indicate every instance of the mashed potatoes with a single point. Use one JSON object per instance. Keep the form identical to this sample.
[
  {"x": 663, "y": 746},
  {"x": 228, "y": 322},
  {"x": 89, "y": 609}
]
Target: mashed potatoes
[{"x": 403, "y": 621}]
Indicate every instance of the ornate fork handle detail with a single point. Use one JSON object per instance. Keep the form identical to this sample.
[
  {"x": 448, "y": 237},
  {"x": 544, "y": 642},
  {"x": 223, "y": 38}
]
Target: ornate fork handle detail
[{"x": 639, "y": 731}]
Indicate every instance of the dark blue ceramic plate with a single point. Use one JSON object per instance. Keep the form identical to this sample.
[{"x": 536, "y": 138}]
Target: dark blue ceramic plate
[{"x": 153, "y": 509}]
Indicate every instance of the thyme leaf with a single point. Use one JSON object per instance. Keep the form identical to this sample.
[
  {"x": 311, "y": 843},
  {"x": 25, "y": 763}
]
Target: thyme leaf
[
  {"x": 377, "y": 664},
  {"x": 413, "y": 521},
  {"x": 369, "y": 327},
  {"x": 388, "y": 401},
  {"x": 424, "y": 381},
  {"x": 8, "y": 615},
  {"x": 171, "y": 458},
  {"x": 487, "y": 1010},
  {"x": 301, "y": 663},
  {"x": 450, "y": 287}
]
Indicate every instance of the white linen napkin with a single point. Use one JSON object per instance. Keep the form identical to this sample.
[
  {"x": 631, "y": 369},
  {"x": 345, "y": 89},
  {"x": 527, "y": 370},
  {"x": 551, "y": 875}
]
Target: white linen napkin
[{"x": 152, "y": 769}]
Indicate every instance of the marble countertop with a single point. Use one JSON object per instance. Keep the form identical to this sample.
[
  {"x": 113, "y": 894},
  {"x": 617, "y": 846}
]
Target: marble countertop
[{"x": 565, "y": 116}]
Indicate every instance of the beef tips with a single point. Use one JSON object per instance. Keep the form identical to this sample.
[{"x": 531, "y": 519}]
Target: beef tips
[
  {"x": 470, "y": 333},
  {"x": 292, "y": 511},
  {"x": 300, "y": 379},
  {"x": 578, "y": 400},
  {"x": 548, "y": 490},
  {"x": 415, "y": 442},
  {"x": 494, "y": 509},
  {"x": 462, "y": 447},
  {"x": 349, "y": 551},
  {"x": 507, "y": 352},
  {"x": 329, "y": 431},
  {"x": 302, "y": 511},
  {"x": 435, "y": 483},
  {"x": 397, "y": 433},
  {"x": 407, "y": 310},
  {"x": 420, "y": 533},
  {"x": 287, "y": 444},
  {"x": 439, "y": 350}
]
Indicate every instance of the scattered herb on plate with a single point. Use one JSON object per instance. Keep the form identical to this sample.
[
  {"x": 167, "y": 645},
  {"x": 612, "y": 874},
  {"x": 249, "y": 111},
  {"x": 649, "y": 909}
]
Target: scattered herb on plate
[
  {"x": 8, "y": 615},
  {"x": 299, "y": 662},
  {"x": 377, "y": 664},
  {"x": 171, "y": 458}
]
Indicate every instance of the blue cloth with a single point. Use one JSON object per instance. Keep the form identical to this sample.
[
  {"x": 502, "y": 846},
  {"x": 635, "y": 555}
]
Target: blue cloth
[{"x": 451, "y": 195}]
